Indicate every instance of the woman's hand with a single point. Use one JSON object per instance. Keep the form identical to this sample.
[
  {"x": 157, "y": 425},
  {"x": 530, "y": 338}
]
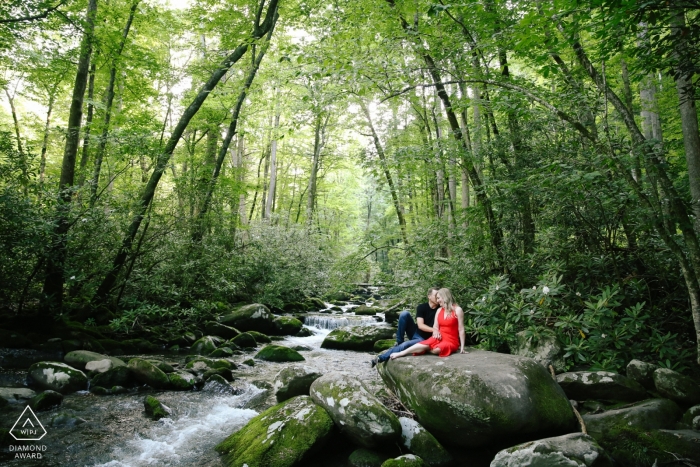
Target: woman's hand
[{"x": 437, "y": 335}]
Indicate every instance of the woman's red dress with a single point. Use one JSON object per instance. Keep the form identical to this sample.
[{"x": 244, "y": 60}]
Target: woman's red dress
[{"x": 449, "y": 329}]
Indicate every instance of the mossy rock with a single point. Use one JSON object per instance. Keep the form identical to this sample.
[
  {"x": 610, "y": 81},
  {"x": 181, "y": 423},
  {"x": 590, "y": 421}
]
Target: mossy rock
[
  {"x": 690, "y": 415},
  {"x": 119, "y": 376},
  {"x": 314, "y": 303},
  {"x": 100, "y": 391},
  {"x": 163, "y": 366},
  {"x": 294, "y": 306},
  {"x": 356, "y": 337},
  {"x": 223, "y": 372},
  {"x": 245, "y": 340},
  {"x": 677, "y": 387},
  {"x": 58, "y": 377},
  {"x": 279, "y": 353},
  {"x": 631, "y": 446},
  {"x": 45, "y": 401},
  {"x": 421, "y": 443},
  {"x": 155, "y": 409},
  {"x": 213, "y": 328},
  {"x": 646, "y": 415},
  {"x": 259, "y": 337},
  {"x": 294, "y": 381},
  {"x": 642, "y": 372},
  {"x": 366, "y": 458},
  {"x": 286, "y": 326},
  {"x": 601, "y": 385},
  {"x": 206, "y": 345},
  {"x": 364, "y": 310},
  {"x": 304, "y": 332},
  {"x": 208, "y": 363},
  {"x": 283, "y": 436},
  {"x": 575, "y": 449},
  {"x": 222, "y": 352},
  {"x": 356, "y": 412},
  {"x": 147, "y": 373},
  {"x": 182, "y": 380},
  {"x": 383, "y": 344},
  {"x": 253, "y": 317},
  {"x": 249, "y": 362},
  {"x": 79, "y": 358},
  {"x": 545, "y": 348},
  {"x": 407, "y": 460}
]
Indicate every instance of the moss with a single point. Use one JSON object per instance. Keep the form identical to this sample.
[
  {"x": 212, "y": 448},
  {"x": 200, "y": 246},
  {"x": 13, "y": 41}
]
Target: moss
[
  {"x": 366, "y": 458},
  {"x": 221, "y": 352},
  {"x": 155, "y": 408},
  {"x": 279, "y": 353},
  {"x": 45, "y": 401},
  {"x": 633, "y": 447},
  {"x": 245, "y": 340},
  {"x": 286, "y": 325},
  {"x": 259, "y": 337},
  {"x": 405, "y": 461},
  {"x": 550, "y": 407},
  {"x": 282, "y": 436},
  {"x": 206, "y": 345},
  {"x": 147, "y": 373},
  {"x": 384, "y": 344},
  {"x": 181, "y": 380}
]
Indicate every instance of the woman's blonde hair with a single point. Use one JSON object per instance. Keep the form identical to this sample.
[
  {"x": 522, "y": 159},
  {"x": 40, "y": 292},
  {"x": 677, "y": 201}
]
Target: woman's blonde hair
[{"x": 448, "y": 299}]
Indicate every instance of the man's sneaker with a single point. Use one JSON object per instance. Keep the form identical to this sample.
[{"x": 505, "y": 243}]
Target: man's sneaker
[{"x": 373, "y": 362}]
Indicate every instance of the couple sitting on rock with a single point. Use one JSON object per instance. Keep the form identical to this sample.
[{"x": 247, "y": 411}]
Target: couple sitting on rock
[{"x": 440, "y": 328}]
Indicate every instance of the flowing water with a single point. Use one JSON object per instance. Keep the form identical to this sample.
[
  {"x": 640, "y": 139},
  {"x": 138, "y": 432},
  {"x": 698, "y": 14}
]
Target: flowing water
[{"x": 116, "y": 432}]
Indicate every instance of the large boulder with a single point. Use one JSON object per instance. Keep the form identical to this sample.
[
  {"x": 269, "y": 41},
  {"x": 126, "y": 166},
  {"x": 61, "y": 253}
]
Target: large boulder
[
  {"x": 182, "y": 380},
  {"x": 254, "y": 317},
  {"x": 245, "y": 340},
  {"x": 147, "y": 373},
  {"x": 424, "y": 445},
  {"x": 282, "y": 436},
  {"x": 213, "y": 328},
  {"x": 118, "y": 376},
  {"x": 632, "y": 446},
  {"x": 600, "y": 385},
  {"x": 58, "y": 377},
  {"x": 574, "y": 450},
  {"x": 647, "y": 415},
  {"x": 677, "y": 387},
  {"x": 356, "y": 337},
  {"x": 545, "y": 348},
  {"x": 279, "y": 353},
  {"x": 642, "y": 372},
  {"x": 287, "y": 326},
  {"x": 294, "y": 381},
  {"x": 79, "y": 358},
  {"x": 479, "y": 397},
  {"x": 356, "y": 412},
  {"x": 206, "y": 345}
]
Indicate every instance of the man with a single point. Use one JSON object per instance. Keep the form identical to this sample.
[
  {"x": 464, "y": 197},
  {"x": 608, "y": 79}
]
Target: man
[{"x": 425, "y": 317}]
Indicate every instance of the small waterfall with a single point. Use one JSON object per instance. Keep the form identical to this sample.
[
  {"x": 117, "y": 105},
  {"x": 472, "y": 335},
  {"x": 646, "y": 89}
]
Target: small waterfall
[{"x": 333, "y": 322}]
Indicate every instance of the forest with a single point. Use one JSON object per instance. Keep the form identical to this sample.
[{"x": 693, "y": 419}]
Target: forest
[{"x": 164, "y": 159}]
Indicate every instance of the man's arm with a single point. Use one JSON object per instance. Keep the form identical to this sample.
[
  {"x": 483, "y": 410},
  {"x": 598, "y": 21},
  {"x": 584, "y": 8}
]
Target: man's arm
[{"x": 422, "y": 326}]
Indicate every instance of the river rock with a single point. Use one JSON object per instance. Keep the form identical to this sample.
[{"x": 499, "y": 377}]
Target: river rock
[
  {"x": 254, "y": 317},
  {"x": 216, "y": 384},
  {"x": 287, "y": 326},
  {"x": 677, "y": 387},
  {"x": 315, "y": 303},
  {"x": 364, "y": 310},
  {"x": 58, "y": 377},
  {"x": 366, "y": 458},
  {"x": 182, "y": 380},
  {"x": 642, "y": 372},
  {"x": 421, "y": 443},
  {"x": 66, "y": 420},
  {"x": 206, "y": 345},
  {"x": 46, "y": 400},
  {"x": 245, "y": 340},
  {"x": 259, "y": 337},
  {"x": 282, "y": 436},
  {"x": 117, "y": 376},
  {"x": 294, "y": 381},
  {"x": 605, "y": 385},
  {"x": 691, "y": 417},
  {"x": 646, "y": 415},
  {"x": 99, "y": 366},
  {"x": 222, "y": 352},
  {"x": 575, "y": 450},
  {"x": 80, "y": 358},
  {"x": 545, "y": 349},
  {"x": 356, "y": 337},
  {"x": 304, "y": 332},
  {"x": 213, "y": 328},
  {"x": 16, "y": 395},
  {"x": 147, "y": 373},
  {"x": 155, "y": 408},
  {"x": 407, "y": 460},
  {"x": 481, "y": 396},
  {"x": 356, "y": 412},
  {"x": 384, "y": 344},
  {"x": 279, "y": 353},
  {"x": 163, "y": 366},
  {"x": 683, "y": 443}
]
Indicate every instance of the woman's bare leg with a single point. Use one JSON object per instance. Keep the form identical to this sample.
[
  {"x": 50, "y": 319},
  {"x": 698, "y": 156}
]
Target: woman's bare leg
[
  {"x": 412, "y": 349},
  {"x": 435, "y": 351}
]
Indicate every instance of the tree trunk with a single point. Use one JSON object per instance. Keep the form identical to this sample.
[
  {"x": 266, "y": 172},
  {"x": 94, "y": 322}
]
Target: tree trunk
[
  {"x": 88, "y": 122},
  {"x": 273, "y": 168},
  {"x": 259, "y": 30},
  {"x": 54, "y": 280},
  {"x": 45, "y": 141}
]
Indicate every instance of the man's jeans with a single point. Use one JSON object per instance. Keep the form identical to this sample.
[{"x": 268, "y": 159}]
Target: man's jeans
[{"x": 408, "y": 327}]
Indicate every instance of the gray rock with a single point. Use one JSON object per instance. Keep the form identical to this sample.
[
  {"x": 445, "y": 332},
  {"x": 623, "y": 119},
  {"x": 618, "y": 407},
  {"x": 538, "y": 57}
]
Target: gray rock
[
  {"x": 254, "y": 317},
  {"x": 182, "y": 380},
  {"x": 600, "y": 385},
  {"x": 16, "y": 395},
  {"x": 677, "y": 387},
  {"x": 355, "y": 411},
  {"x": 407, "y": 460},
  {"x": 217, "y": 329},
  {"x": 642, "y": 372},
  {"x": 147, "y": 373},
  {"x": 294, "y": 381},
  {"x": 690, "y": 415},
  {"x": 117, "y": 376},
  {"x": 302, "y": 348},
  {"x": 46, "y": 400},
  {"x": 574, "y": 450},
  {"x": 206, "y": 345},
  {"x": 546, "y": 349},
  {"x": 683, "y": 443},
  {"x": 485, "y": 396},
  {"x": 99, "y": 366},
  {"x": 58, "y": 377},
  {"x": 282, "y": 436},
  {"x": 647, "y": 415},
  {"x": 421, "y": 443},
  {"x": 216, "y": 384},
  {"x": 79, "y": 358},
  {"x": 356, "y": 337}
]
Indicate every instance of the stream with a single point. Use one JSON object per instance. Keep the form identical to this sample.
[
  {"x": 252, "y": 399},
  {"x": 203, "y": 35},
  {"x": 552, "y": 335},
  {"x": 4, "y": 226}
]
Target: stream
[{"x": 113, "y": 431}]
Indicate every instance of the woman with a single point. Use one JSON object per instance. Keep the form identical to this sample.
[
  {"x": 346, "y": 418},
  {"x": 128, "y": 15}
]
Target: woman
[{"x": 448, "y": 331}]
